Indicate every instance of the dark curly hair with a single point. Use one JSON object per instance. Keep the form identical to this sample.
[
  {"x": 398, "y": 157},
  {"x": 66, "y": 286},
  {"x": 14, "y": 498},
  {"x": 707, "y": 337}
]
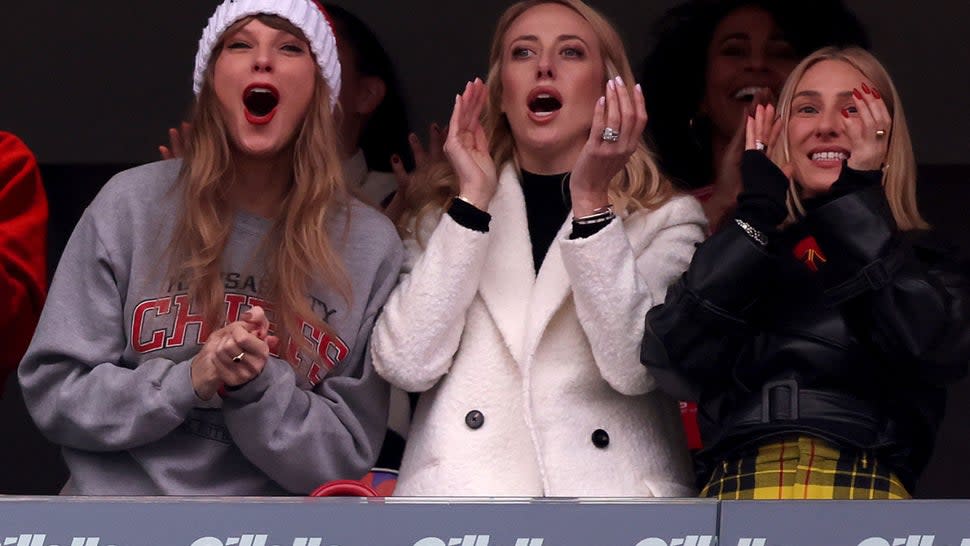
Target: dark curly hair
[{"x": 673, "y": 74}]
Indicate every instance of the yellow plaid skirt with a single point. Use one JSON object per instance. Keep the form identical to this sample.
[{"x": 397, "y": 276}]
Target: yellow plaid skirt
[{"x": 803, "y": 467}]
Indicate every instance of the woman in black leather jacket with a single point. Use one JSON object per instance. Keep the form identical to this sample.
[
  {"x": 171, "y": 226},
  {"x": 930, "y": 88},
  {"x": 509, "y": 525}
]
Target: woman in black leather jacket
[{"x": 818, "y": 329}]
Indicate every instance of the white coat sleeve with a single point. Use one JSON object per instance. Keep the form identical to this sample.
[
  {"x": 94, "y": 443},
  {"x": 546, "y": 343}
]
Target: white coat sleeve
[
  {"x": 417, "y": 335},
  {"x": 615, "y": 283}
]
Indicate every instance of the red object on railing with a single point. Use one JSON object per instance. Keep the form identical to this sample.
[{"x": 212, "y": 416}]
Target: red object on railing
[{"x": 344, "y": 488}]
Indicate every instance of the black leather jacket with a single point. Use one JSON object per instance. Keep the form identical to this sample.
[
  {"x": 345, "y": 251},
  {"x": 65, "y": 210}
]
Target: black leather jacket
[{"x": 857, "y": 353}]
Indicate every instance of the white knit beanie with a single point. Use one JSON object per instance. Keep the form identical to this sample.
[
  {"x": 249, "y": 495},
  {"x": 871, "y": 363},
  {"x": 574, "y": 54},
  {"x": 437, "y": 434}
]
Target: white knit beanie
[{"x": 307, "y": 15}]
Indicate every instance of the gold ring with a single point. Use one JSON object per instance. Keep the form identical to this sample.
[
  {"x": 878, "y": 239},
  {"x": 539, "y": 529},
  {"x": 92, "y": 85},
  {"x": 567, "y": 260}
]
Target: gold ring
[
  {"x": 239, "y": 357},
  {"x": 880, "y": 133}
]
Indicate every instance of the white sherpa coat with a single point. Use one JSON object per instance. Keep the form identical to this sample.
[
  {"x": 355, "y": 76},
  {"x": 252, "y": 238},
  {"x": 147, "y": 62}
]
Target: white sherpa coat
[{"x": 546, "y": 359}]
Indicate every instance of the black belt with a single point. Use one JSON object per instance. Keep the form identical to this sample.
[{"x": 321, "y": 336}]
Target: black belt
[{"x": 784, "y": 401}]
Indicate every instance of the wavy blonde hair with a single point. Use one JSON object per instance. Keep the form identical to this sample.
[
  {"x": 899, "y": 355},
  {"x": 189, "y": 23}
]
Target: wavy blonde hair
[
  {"x": 899, "y": 176},
  {"x": 639, "y": 185},
  {"x": 298, "y": 247}
]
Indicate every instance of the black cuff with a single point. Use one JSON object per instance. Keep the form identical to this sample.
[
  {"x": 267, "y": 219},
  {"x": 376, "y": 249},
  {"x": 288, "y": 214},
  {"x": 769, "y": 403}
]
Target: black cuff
[
  {"x": 582, "y": 231},
  {"x": 762, "y": 200},
  {"x": 469, "y": 216}
]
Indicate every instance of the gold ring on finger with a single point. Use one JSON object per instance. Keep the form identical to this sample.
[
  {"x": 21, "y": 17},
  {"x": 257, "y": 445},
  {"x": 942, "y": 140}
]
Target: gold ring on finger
[{"x": 880, "y": 133}]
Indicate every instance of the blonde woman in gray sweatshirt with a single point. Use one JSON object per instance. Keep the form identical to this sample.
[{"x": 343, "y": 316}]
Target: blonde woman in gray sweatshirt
[{"x": 206, "y": 331}]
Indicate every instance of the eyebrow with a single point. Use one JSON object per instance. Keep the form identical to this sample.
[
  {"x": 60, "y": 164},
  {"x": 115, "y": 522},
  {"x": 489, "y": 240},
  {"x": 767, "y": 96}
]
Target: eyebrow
[{"x": 560, "y": 38}]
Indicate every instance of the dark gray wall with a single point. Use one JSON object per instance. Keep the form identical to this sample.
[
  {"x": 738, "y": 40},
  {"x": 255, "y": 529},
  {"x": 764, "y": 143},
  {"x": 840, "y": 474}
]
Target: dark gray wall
[{"x": 99, "y": 82}]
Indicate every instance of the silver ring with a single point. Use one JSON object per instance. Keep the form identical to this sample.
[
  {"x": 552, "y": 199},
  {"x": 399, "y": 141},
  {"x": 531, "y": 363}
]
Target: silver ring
[
  {"x": 759, "y": 145},
  {"x": 880, "y": 133},
  {"x": 610, "y": 135},
  {"x": 239, "y": 357}
]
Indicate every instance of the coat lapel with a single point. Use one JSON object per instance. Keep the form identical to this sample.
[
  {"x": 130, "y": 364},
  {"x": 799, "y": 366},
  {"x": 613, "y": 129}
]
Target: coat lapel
[
  {"x": 508, "y": 276},
  {"x": 550, "y": 290}
]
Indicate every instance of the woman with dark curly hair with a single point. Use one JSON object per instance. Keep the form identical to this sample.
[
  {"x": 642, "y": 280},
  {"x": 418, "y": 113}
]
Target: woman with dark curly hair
[{"x": 713, "y": 59}]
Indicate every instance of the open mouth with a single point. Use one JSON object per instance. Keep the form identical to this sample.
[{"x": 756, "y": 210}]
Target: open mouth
[
  {"x": 747, "y": 94},
  {"x": 544, "y": 102},
  {"x": 260, "y": 100},
  {"x": 829, "y": 156}
]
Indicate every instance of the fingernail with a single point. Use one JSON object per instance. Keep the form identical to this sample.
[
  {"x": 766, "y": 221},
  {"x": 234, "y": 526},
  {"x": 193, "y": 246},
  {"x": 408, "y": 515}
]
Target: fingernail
[
  {"x": 856, "y": 93},
  {"x": 413, "y": 137},
  {"x": 865, "y": 88},
  {"x": 875, "y": 93},
  {"x": 845, "y": 113},
  {"x": 611, "y": 84},
  {"x": 435, "y": 127},
  {"x": 395, "y": 159},
  {"x": 638, "y": 88},
  {"x": 619, "y": 81},
  {"x": 602, "y": 101}
]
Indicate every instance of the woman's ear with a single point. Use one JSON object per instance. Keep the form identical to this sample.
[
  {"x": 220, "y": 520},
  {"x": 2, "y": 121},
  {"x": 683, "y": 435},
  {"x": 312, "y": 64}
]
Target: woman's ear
[{"x": 370, "y": 95}]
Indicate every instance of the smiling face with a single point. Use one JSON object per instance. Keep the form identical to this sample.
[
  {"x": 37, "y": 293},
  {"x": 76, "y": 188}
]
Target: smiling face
[
  {"x": 552, "y": 75},
  {"x": 264, "y": 82},
  {"x": 747, "y": 53},
  {"x": 817, "y": 139}
]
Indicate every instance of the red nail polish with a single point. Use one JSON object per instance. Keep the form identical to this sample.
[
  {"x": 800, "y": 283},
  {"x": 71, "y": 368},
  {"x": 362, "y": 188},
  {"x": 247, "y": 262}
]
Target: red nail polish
[
  {"x": 845, "y": 113},
  {"x": 865, "y": 88},
  {"x": 856, "y": 94},
  {"x": 395, "y": 159},
  {"x": 876, "y": 93}
]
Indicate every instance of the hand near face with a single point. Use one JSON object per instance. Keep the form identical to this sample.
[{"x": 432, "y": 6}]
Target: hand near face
[
  {"x": 762, "y": 129},
  {"x": 727, "y": 178},
  {"x": 868, "y": 130},
  {"x": 622, "y": 110},
  {"x": 422, "y": 158},
  {"x": 467, "y": 147}
]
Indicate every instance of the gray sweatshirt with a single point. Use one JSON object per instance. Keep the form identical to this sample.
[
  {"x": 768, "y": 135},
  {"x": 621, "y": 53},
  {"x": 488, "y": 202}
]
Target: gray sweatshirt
[{"x": 107, "y": 375}]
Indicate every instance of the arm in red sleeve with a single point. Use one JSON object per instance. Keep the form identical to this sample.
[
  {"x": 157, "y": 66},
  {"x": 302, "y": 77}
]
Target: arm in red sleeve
[{"x": 23, "y": 232}]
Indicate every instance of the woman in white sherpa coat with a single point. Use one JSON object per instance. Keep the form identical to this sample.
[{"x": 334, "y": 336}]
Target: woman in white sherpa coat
[{"x": 521, "y": 325}]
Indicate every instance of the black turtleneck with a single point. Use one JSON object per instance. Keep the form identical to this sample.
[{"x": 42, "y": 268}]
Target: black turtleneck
[{"x": 547, "y": 205}]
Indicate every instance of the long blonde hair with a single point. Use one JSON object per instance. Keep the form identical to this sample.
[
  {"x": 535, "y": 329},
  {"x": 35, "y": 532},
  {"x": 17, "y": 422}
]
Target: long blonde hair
[
  {"x": 639, "y": 185},
  {"x": 899, "y": 176},
  {"x": 298, "y": 247}
]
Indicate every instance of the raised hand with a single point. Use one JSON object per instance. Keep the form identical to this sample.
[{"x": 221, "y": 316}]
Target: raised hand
[
  {"x": 618, "y": 122},
  {"x": 467, "y": 147},
  {"x": 422, "y": 158},
  {"x": 762, "y": 129},
  {"x": 762, "y": 202},
  {"x": 176, "y": 141},
  {"x": 727, "y": 178},
  {"x": 868, "y": 130}
]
